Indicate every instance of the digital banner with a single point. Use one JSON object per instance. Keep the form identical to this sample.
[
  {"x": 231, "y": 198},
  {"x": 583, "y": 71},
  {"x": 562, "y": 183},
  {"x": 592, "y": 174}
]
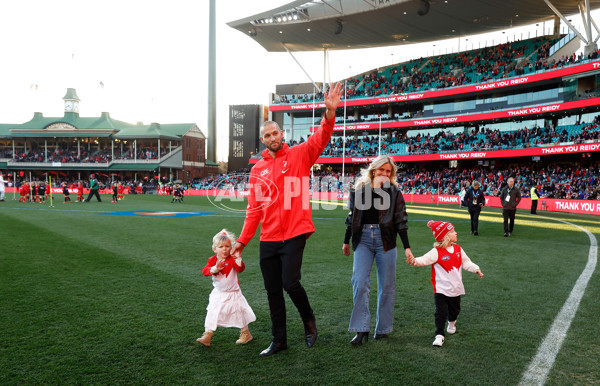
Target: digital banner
[
  {"x": 544, "y": 204},
  {"x": 551, "y": 74},
  {"x": 471, "y": 117},
  {"x": 532, "y": 151},
  {"x": 71, "y": 191}
]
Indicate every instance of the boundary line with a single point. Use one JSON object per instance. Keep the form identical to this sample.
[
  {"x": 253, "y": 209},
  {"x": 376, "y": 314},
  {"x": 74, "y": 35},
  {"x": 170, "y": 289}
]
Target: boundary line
[{"x": 542, "y": 363}]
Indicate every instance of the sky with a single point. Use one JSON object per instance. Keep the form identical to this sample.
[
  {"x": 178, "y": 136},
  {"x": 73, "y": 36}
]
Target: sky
[{"x": 146, "y": 61}]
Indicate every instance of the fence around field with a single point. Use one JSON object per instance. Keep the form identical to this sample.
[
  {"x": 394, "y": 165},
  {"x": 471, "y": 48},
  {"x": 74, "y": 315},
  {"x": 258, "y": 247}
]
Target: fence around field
[{"x": 546, "y": 204}]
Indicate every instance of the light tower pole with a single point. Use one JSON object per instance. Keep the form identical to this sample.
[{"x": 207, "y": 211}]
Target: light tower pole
[{"x": 212, "y": 91}]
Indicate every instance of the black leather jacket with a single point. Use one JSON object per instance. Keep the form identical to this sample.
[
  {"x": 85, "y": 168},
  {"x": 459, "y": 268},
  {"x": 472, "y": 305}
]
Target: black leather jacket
[{"x": 392, "y": 220}]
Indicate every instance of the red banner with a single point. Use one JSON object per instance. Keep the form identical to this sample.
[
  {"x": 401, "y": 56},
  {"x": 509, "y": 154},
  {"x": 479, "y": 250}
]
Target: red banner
[
  {"x": 539, "y": 151},
  {"x": 72, "y": 191},
  {"x": 578, "y": 69},
  {"x": 472, "y": 117},
  {"x": 544, "y": 204}
]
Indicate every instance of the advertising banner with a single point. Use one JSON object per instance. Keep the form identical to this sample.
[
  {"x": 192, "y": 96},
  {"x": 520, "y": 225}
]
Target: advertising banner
[
  {"x": 469, "y": 118},
  {"x": 532, "y": 151}
]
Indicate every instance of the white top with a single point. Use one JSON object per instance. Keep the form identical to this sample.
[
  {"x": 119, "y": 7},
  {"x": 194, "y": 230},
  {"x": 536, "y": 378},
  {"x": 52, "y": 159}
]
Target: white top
[
  {"x": 446, "y": 275},
  {"x": 227, "y": 283}
]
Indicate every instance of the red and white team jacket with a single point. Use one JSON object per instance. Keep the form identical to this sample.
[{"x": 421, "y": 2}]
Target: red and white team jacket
[
  {"x": 279, "y": 190},
  {"x": 446, "y": 273}
]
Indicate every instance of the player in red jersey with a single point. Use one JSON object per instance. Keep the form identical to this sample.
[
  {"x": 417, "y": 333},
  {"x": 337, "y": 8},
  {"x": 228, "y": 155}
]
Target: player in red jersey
[
  {"x": 24, "y": 192},
  {"x": 79, "y": 192}
]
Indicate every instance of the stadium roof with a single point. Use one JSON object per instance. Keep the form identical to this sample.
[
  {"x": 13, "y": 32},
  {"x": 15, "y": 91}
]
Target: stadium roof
[
  {"x": 72, "y": 125},
  {"x": 346, "y": 24}
]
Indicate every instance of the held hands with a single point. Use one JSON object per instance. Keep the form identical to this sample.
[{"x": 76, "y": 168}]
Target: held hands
[
  {"x": 410, "y": 259},
  {"x": 237, "y": 249},
  {"x": 332, "y": 99},
  {"x": 346, "y": 249}
]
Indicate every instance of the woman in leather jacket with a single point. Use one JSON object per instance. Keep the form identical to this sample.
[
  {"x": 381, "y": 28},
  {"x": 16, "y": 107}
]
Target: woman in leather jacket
[{"x": 377, "y": 215}]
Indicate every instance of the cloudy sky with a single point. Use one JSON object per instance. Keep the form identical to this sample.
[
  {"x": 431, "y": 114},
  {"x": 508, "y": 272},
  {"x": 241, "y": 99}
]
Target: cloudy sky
[{"x": 147, "y": 60}]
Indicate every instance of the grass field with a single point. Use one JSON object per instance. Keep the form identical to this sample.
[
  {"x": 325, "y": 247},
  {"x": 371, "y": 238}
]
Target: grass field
[{"x": 92, "y": 298}]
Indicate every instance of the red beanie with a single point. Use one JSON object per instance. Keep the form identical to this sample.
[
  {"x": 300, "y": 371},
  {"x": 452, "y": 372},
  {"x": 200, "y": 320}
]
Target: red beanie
[{"x": 440, "y": 229}]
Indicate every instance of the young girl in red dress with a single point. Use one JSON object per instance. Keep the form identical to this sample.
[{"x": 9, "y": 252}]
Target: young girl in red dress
[{"x": 227, "y": 306}]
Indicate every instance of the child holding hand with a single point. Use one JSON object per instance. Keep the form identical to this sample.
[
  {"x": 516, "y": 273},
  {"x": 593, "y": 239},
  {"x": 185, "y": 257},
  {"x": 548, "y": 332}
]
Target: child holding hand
[
  {"x": 447, "y": 259},
  {"x": 227, "y": 307}
]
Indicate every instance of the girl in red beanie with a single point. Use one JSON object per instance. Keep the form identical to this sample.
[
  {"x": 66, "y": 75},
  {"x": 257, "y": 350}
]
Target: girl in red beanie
[{"x": 446, "y": 260}]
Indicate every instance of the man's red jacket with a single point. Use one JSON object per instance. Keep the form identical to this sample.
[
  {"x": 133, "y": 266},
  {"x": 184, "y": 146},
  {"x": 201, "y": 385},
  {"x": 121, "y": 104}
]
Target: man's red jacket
[{"x": 279, "y": 190}]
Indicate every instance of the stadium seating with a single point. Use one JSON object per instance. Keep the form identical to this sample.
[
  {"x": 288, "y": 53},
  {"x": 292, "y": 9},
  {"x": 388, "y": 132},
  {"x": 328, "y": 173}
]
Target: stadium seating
[{"x": 476, "y": 66}]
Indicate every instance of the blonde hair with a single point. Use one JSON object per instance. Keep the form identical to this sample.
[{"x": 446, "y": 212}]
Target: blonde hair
[
  {"x": 445, "y": 243},
  {"x": 221, "y": 237},
  {"x": 367, "y": 174}
]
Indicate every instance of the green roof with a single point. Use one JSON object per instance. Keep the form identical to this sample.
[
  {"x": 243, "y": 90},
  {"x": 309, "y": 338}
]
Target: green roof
[
  {"x": 133, "y": 167},
  {"x": 155, "y": 130},
  {"x": 74, "y": 126},
  {"x": 79, "y": 134},
  {"x": 5, "y": 129}
]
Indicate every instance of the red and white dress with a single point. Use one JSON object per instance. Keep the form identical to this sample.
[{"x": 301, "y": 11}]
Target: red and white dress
[
  {"x": 227, "y": 306},
  {"x": 446, "y": 273}
]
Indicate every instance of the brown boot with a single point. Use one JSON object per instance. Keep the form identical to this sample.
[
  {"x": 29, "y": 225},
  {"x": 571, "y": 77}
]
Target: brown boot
[
  {"x": 205, "y": 339},
  {"x": 245, "y": 337}
]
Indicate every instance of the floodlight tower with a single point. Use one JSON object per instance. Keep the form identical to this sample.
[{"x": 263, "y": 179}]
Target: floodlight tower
[{"x": 211, "y": 141}]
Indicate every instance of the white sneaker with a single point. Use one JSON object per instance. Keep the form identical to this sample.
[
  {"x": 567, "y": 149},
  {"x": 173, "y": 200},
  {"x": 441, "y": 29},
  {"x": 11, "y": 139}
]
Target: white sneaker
[
  {"x": 451, "y": 327},
  {"x": 439, "y": 340}
]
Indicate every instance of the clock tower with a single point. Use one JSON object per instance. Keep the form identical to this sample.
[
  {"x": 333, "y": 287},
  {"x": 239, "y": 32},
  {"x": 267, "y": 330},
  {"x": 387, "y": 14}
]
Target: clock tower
[{"x": 71, "y": 101}]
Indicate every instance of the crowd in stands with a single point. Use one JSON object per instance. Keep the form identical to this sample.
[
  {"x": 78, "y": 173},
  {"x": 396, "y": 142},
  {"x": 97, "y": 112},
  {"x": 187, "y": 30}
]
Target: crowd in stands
[
  {"x": 230, "y": 181},
  {"x": 552, "y": 181},
  {"x": 72, "y": 155},
  {"x": 468, "y": 67}
]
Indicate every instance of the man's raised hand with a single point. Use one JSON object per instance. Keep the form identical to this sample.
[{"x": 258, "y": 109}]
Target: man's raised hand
[{"x": 332, "y": 99}]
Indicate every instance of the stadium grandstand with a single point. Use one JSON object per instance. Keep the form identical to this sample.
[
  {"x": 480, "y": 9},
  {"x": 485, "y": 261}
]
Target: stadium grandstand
[
  {"x": 511, "y": 109},
  {"x": 72, "y": 147}
]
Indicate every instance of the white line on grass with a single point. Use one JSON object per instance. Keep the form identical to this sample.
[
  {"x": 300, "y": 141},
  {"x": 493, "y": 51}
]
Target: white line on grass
[{"x": 546, "y": 355}]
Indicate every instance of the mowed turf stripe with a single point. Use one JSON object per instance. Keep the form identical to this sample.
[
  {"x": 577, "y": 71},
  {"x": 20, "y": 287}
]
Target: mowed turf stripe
[
  {"x": 74, "y": 313},
  {"x": 542, "y": 363},
  {"x": 143, "y": 240}
]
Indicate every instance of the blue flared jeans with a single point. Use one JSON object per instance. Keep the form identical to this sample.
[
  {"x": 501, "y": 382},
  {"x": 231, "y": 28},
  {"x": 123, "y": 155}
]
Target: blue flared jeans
[{"x": 371, "y": 248}]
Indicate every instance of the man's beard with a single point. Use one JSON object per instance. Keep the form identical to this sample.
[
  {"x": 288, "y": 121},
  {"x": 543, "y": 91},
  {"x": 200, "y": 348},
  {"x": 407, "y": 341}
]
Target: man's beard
[{"x": 275, "y": 147}]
